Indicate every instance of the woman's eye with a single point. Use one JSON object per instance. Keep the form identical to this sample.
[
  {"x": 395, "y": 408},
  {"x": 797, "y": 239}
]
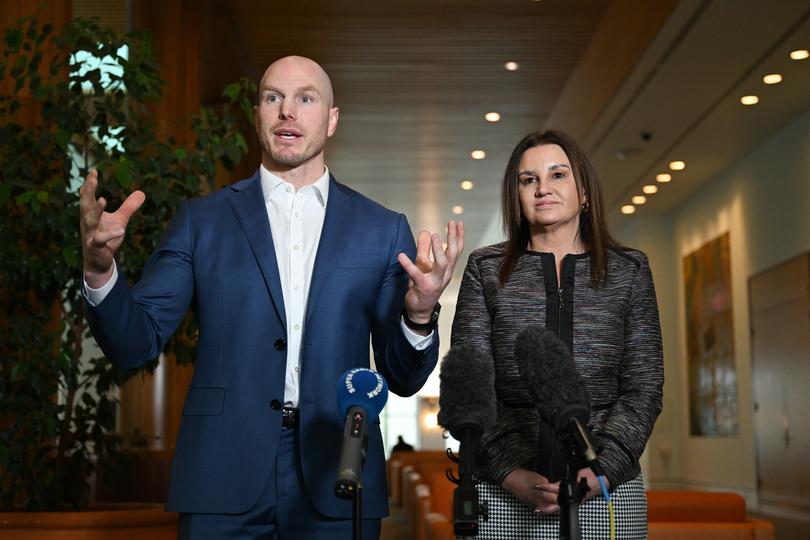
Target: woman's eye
[
  {"x": 558, "y": 175},
  {"x": 527, "y": 180},
  {"x": 272, "y": 98}
]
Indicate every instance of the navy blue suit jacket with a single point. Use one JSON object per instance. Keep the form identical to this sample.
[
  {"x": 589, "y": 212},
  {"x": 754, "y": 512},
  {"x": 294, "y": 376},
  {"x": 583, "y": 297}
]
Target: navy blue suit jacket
[{"x": 217, "y": 257}]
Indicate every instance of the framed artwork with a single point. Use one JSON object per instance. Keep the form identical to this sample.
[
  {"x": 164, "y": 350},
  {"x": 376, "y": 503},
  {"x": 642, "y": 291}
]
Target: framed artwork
[{"x": 710, "y": 341}]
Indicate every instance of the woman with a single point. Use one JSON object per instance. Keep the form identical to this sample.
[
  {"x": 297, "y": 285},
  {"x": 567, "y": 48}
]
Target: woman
[{"x": 561, "y": 269}]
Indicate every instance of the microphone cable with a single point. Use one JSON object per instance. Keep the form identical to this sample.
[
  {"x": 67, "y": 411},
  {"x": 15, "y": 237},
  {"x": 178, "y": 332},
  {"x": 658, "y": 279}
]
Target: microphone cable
[{"x": 611, "y": 516}]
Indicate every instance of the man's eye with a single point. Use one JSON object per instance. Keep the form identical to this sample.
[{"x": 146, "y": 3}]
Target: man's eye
[
  {"x": 306, "y": 99},
  {"x": 272, "y": 98}
]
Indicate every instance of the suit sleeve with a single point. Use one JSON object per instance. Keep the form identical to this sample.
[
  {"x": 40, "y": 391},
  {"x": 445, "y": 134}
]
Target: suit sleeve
[
  {"x": 641, "y": 381},
  {"x": 133, "y": 325},
  {"x": 404, "y": 368}
]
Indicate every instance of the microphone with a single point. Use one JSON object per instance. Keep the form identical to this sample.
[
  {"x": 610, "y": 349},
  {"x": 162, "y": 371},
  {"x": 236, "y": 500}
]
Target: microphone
[
  {"x": 548, "y": 369},
  {"x": 467, "y": 410},
  {"x": 361, "y": 395}
]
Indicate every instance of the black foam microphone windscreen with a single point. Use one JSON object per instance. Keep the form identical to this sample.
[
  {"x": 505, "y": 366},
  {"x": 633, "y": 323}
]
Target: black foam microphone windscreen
[
  {"x": 555, "y": 385},
  {"x": 466, "y": 391},
  {"x": 551, "y": 376},
  {"x": 467, "y": 410}
]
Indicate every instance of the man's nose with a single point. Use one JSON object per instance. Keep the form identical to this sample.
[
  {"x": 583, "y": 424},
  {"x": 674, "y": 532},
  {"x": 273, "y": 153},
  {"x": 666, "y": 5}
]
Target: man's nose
[{"x": 286, "y": 111}]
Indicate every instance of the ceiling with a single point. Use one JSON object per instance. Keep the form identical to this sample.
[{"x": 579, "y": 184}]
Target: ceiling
[{"x": 638, "y": 82}]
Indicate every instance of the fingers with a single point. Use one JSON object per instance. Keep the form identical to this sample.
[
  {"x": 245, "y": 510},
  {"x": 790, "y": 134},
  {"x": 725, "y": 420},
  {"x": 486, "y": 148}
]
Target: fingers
[
  {"x": 410, "y": 268},
  {"x": 131, "y": 205},
  {"x": 87, "y": 193},
  {"x": 455, "y": 239},
  {"x": 546, "y": 509},
  {"x": 423, "y": 243},
  {"x": 101, "y": 237},
  {"x": 439, "y": 257}
]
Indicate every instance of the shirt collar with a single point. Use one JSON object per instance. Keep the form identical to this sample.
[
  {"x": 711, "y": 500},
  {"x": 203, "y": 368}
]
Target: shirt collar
[{"x": 271, "y": 182}]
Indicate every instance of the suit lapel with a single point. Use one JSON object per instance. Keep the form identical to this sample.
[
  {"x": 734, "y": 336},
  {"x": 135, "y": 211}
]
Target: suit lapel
[
  {"x": 247, "y": 201},
  {"x": 337, "y": 224}
]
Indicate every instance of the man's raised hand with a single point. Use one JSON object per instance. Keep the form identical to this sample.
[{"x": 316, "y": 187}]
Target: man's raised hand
[
  {"x": 102, "y": 232},
  {"x": 428, "y": 279}
]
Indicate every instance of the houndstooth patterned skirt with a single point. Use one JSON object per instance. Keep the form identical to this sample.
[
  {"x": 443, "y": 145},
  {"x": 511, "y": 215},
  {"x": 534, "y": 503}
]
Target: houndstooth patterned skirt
[{"x": 510, "y": 519}]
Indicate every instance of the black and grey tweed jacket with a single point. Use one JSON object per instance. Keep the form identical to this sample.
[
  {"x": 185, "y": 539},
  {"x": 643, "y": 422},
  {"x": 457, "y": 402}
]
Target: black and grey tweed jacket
[{"x": 613, "y": 332}]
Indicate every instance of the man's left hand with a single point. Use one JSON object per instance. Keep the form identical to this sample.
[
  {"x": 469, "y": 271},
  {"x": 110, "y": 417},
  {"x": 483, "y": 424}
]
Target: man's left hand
[{"x": 428, "y": 278}]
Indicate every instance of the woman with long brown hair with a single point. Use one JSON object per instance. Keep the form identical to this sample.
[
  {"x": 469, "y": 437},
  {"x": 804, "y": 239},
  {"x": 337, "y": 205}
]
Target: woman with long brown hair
[{"x": 561, "y": 269}]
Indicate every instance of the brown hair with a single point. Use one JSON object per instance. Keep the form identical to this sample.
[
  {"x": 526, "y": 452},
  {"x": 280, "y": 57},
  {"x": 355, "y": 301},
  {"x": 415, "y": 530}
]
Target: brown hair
[{"x": 593, "y": 229}]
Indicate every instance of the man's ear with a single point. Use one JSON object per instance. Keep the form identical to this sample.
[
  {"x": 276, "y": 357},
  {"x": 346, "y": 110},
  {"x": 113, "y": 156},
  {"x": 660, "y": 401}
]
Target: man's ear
[{"x": 334, "y": 114}]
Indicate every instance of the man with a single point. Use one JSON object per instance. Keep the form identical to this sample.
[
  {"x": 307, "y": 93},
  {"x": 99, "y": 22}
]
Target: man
[{"x": 289, "y": 272}]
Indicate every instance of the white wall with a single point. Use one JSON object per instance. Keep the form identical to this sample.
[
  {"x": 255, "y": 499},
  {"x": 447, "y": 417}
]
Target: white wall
[{"x": 763, "y": 201}]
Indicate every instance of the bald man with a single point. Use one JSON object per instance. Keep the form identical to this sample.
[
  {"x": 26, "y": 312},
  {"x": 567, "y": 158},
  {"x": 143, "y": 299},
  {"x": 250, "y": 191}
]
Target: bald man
[{"x": 289, "y": 273}]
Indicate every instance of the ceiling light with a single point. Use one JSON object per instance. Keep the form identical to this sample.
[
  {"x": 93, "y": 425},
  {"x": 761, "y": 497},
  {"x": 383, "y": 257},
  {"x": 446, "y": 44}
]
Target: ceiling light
[
  {"x": 467, "y": 185},
  {"x": 649, "y": 189},
  {"x": 430, "y": 420},
  {"x": 749, "y": 100},
  {"x": 663, "y": 177},
  {"x": 772, "y": 78},
  {"x": 478, "y": 154},
  {"x": 799, "y": 54},
  {"x": 492, "y": 117},
  {"x": 458, "y": 209},
  {"x": 628, "y": 209},
  {"x": 677, "y": 165},
  {"x": 511, "y": 66},
  {"x": 639, "y": 199}
]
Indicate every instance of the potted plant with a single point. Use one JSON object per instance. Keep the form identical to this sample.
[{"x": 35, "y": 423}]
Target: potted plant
[{"x": 88, "y": 91}]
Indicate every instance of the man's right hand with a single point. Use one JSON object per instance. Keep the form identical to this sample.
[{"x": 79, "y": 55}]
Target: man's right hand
[{"x": 102, "y": 232}]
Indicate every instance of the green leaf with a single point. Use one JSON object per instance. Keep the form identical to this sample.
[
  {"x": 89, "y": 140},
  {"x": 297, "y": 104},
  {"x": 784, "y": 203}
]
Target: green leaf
[
  {"x": 70, "y": 256},
  {"x": 18, "y": 371},
  {"x": 62, "y": 138},
  {"x": 13, "y": 38},
  {"x": 123, "y": 172},
  {"x": 42, "y": 196},
  {"x": 180, "y": 154},
  {"x": 24, "y": 198},
  {"x": 5, "y": 193}
]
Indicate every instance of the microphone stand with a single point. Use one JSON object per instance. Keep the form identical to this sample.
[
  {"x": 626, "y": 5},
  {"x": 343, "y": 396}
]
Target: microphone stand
[
  {"x": 569, "y": 498},
  {"x": 357, "y": 513}
]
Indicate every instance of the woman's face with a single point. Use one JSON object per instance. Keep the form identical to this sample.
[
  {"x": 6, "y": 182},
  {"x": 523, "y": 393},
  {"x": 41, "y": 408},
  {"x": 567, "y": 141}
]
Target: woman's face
[{"x": 549, "y": 197}]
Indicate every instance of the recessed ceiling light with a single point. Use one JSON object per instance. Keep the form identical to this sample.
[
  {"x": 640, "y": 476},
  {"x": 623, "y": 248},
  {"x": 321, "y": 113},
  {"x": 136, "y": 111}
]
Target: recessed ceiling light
[
  {"x": 492, "y": 117},
  {"x": 467, "y": 185},
  {"x": 458, "y": 209},
  {"x": 649, "y": 189},
  {"x": 511, "y": 66},
  {"x": 772, "y": 78},
  {"x": 663, "y": 177},
  {"x": 639, "y": 199},
  {"x": 677, "y": 165},
  {"x": 799, "y": 54},
  {"x": 628, "y": 209},
  {"x": 478, "y": 154},
  {"x": 749, "y": 100}
]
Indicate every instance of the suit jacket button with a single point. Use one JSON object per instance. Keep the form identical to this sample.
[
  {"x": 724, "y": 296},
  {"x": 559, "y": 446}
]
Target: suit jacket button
[
  {"x": 280, "y": 345},
  {"x": 275, "y": 404}
]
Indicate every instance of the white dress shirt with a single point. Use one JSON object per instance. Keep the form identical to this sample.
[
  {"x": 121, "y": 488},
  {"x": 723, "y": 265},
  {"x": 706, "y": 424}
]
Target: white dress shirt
[{"x": 296, "y": 219}]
